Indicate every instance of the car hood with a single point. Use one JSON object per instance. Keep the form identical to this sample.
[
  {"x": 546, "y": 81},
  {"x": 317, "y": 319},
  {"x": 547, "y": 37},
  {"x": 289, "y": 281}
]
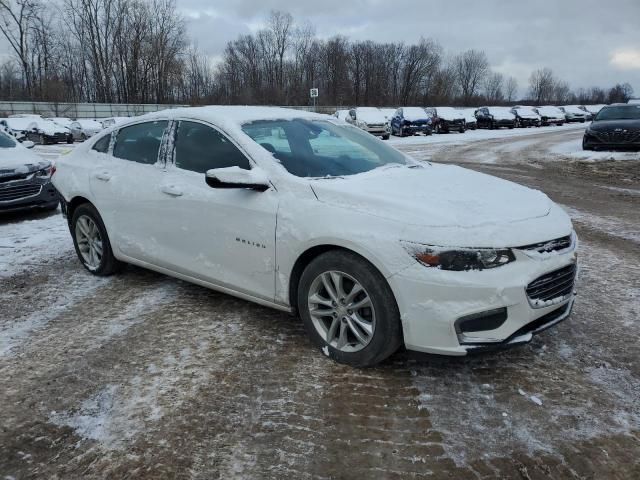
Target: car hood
[
  {"x": 434, "y": 196},
  {"x": 609, "y": 125}
]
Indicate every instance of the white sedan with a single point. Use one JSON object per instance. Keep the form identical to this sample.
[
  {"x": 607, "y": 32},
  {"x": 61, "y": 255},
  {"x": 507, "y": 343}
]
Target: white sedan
[{"x": 306, "y": 214}]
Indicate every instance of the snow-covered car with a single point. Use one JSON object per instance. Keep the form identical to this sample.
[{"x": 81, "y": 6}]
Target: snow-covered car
[
  {"x": 84, "y": 128},
  {"x": 25, "y": 178},
  {"x": 341, "y": 115},
  {"x": 62, "y": 121},
  {"x": 16, "y": 127},
  {"x": 573, "y": 113},
  {"x": 44, "y": 131},
  {"x": 470, "y": 120},
  {"x": 410, "y": 121},
  {"x": 526, "y": 116},
  {"x": 550, "y": 115},
  {"x": 446, "y": 119},
  {"x": 113, "y": 121},
  {"x": 371, "y": 120},
  {"x": 300, "y": 212},
  {"x": 495, "y": 117},
  {"x": 593, "y": 109}
]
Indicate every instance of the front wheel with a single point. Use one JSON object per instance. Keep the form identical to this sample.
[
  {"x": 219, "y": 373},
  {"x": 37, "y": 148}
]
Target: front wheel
[
  {"x": 91, "y": 241},
  {"x": 348, "y": 309},
  {"x": 385, "y": 137}
]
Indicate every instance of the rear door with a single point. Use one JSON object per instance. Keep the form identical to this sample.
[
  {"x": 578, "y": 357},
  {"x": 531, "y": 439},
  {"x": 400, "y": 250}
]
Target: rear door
[{"x": 126, "y": 187}]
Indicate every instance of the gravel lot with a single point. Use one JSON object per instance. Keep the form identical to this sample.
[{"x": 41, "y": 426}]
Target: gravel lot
[{"x": 143, "y": 376}]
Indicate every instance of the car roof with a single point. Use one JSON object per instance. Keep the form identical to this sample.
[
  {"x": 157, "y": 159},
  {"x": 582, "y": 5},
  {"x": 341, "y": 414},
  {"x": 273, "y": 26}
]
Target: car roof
[{"x": 238, "y": 115}]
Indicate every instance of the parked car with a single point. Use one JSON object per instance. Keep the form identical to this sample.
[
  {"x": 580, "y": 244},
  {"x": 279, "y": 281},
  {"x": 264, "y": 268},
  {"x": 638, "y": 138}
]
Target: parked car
[
  {"x": 296, "y": 211},
  {"x": 44, "y": 131},
  {"x": 62, "y": 121},
  {"x": 113, "y": 121},
  {"x": 410, "y": 121},
  {"x": 573, "y": 113},
  {"x": 593, "y": 109},
  {"x": 634, "y": 101},
  {"x": 371, "y": 120},
  {"x": 550, "y": 115},
  {"x": 341, "y": 115},
  {"x": 16, "y": 127},
  {"x": 526, "y": 116},
  {"x": 446, "y": 119},
  {"x": 495, "y": 117},
  {"x": 470, "y": 120},
  {"x": 84, "y": 128},
  {"x": 25, "y": 178},
  {"x": 615, "y": 127}
]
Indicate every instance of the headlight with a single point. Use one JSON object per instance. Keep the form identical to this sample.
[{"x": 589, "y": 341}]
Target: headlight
[
  {"x": 45, "y": 172},
  {"x": 459, "y": 259}
]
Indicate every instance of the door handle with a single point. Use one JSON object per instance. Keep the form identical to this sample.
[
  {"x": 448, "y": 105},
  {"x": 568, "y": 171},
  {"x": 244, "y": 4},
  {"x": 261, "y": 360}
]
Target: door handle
[
  {"x": 172, "y": 190},
  {"x": 104, "y": 176}
]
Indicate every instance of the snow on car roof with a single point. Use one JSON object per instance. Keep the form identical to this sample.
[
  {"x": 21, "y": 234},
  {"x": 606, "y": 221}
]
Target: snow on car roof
[{"x": 234, "y": 114}]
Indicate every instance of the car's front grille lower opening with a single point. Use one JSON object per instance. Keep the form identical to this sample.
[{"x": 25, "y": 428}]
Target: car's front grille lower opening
[
  {"x": 9, "y": 194},
  {"x": 552, "y": 287}
]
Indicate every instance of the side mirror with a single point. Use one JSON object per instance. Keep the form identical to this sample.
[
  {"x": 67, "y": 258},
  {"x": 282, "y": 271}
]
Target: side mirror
[
  {"x": 236, "y": 177},
  {"x": 28, "y": 144}
]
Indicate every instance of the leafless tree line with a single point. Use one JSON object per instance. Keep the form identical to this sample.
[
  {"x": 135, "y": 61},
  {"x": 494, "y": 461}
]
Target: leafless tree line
[{"x": 138, "y": 51}]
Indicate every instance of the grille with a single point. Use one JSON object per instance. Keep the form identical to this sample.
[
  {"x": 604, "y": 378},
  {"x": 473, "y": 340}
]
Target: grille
[
  {"x": 623, "y": 136},
  {"x": 552, "y": 286},
  {"x": 550, "y": 246},
  {"x": 9, "y": 194}
]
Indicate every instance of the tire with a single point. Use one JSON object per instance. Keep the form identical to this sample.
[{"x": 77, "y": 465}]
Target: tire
[
  {"x": 106, "y": 264},
  {"x": 438, "y": 129},
  {"x": 385, "y": 137},
  {"x": 386, "y": 335},
  {"x": 43, "y": 141},
  {"x": 586, "y": 147},
  {"x": 401, "y": 132}
]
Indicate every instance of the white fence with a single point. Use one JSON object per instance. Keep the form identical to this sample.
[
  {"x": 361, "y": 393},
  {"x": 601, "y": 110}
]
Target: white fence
[{"x": 80, "y": 110}]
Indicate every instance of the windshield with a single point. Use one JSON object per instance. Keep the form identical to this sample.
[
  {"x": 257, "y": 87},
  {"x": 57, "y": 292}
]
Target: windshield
[
  {"x": 6, "y": 141},
  {"x": 619, "y": 113},
  {"x": 319, "y": 148}
]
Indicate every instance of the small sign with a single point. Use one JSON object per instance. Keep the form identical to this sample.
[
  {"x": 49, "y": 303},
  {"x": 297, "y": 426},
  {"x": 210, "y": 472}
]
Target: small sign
[{"x": 313, "y": 92}]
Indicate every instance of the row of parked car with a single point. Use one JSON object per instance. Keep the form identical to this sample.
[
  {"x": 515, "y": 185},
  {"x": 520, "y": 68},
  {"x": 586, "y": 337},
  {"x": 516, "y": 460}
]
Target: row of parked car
[
  {"x": 384, "y": 122},
  {"x": 37, "y": 129}
]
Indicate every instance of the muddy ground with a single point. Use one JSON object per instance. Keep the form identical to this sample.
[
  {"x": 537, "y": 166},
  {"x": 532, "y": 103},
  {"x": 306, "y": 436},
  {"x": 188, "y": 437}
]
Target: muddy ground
[{"x": 143, "y": 376}]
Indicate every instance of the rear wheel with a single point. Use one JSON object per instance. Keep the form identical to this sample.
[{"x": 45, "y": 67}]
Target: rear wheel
[
  {"x": 348, "y": 309},
  {"x": 91, "y": 241}
]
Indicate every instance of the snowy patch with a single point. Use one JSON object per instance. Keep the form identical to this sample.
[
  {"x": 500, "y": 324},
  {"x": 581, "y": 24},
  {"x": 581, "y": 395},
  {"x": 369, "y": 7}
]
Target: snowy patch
[
  {"x": 609, "y": 225},
  {"x": 573, "y": 149}
]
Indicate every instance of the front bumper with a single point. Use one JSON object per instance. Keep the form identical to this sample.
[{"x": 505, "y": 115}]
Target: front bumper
[
  {"x": 611, "y": 142},
  {"x": 425, "y": 128},
  {"x": 528, "y": 122},
  {"x": 27, "y": 195},
  {"x": 378, "y": 130},
  {"x": 432, "y": 302}
]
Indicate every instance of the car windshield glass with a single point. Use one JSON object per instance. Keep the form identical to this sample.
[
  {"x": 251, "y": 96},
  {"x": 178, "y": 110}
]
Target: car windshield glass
[
  {"x": 319, "y": 148},
  {"x": 619, "y": 113},
  {"x": 6, "y": 141}
]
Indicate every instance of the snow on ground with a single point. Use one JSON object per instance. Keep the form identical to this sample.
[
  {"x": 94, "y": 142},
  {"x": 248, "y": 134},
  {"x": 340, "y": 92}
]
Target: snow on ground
[
  {"x": 609, "y": 225},
  {"x": 573, "y": 149},
  {"x": 33, "y": 242}
]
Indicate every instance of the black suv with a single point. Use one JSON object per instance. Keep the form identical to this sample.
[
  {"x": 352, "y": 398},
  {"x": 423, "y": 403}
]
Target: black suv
[
  {"x": 495, "y": 117},
  {"x": 615, "y": 127}
]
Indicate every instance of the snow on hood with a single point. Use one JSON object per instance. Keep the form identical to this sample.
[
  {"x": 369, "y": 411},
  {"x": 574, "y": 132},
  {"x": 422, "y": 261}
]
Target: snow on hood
[
  {"x": 48, "y": 127},
  {"x": 527, "y": 113},
  {"x": 370, "y": 115},
  {"x": 551, "y": 112},
  {"x": 501, "y": 113},
  {"x": 414, "y": 113},
  {"x": 448, "y": 113},
  {"x": 435, "y": 196},
  {"x": 18, "y": 124},
  {"x": 470, "y": 115},
  {"x": 20, "y": 159},
  {"x": 574, "y": 109},
  {"x": 91, "y": 125}
]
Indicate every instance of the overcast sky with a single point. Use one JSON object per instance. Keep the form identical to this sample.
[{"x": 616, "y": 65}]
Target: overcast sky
[{"x": 586, "y": 42}]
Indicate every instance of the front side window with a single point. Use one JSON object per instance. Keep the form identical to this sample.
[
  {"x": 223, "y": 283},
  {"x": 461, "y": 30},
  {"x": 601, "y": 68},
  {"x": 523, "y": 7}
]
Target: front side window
[
  {"x": 141, "y": 142},
  {"x": 199, "y": 148},
  {"x": 319, "y": 148},
  {"x": 102, "y": 145},
  {"x": 6, "y": 141}
]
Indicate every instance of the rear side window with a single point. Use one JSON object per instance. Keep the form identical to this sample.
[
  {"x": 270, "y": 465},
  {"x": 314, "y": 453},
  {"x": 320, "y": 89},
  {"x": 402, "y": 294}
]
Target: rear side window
[
  {"x": 102, "y": 145},
  {"x": 200, "y": 148},
  {"x": 141, "y": 142}
]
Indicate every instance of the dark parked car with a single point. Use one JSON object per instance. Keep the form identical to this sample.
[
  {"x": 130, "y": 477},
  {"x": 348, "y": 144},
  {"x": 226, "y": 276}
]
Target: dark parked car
[
  {"x": 446, "y": 119},
  {"x": 495, "y": 117},
  {"x": 615, "y": 127},
  {"x": 45, "y": 131},
  {"x": 526, "y": 117},
  {"x": 410, "y": 121},
  {"x": 25, "y": 178}
]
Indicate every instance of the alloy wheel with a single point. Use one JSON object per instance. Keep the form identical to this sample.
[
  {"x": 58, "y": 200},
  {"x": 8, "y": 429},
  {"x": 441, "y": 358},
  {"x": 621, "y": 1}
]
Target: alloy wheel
[
  {"x": 341, "y": 311},
  {"x": 89, "y": 241}
]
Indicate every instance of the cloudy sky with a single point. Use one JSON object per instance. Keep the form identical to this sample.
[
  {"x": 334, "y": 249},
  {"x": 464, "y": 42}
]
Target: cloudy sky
[{"x": 586, "y": 42}]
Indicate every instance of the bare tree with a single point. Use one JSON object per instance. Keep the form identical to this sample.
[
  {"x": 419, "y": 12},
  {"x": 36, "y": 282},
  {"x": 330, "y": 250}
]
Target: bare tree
[
  {"x": 542, "y": 83},
  {"x": 493, "y": 88},
  {"x": 472, "y": 67},
  {"x": 511, "y": 89},
  {"x": 16, "y": 20}
]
